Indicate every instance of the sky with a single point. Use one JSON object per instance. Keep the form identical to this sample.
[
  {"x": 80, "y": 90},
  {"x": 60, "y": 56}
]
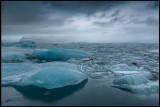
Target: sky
[{"x": 80, "y": 21}]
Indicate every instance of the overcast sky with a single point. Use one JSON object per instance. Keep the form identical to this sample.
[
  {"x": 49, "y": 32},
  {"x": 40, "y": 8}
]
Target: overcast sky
[{"x": 81, "y": 21}]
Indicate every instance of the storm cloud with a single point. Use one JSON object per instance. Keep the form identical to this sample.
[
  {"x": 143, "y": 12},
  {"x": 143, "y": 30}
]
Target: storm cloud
[{"x": 81, "y": 21}]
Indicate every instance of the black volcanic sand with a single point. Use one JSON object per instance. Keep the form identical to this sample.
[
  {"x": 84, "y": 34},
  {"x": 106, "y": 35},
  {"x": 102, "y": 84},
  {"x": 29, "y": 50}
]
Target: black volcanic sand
[{"x": 91, "y": 92}]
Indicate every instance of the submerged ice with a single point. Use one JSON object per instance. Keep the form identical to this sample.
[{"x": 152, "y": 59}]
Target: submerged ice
[{"x": 45, "y": 75}]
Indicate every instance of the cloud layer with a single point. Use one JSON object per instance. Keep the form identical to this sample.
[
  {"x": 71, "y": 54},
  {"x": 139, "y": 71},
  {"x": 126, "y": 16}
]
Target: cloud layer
[{"x": 82, "y": 21}]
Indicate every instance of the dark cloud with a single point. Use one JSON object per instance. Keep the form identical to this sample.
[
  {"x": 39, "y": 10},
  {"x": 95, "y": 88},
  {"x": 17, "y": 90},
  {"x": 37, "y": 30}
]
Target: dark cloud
[
  {"x": 22, "y": 12},
  {"x": 83, "y": 7},
  {"x": 151, "y": 21},
  {"x": 81, "y": 20},
  {"x": 153, "y": 5},
  {"x": 114, "y": 18},
  {"x": 115, "y": 14}
]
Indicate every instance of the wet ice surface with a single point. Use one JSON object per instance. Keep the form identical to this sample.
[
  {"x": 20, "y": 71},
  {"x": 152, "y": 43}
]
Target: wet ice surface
[
  {"x": 47, "y": 75},
  {"x": 58, "y": 54},
  {"x": 127, "y": 67}
]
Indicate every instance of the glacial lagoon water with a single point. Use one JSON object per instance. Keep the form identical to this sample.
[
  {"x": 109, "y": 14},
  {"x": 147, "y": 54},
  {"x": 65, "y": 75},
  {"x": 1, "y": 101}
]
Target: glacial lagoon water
[{"x": 117, "y": 74}]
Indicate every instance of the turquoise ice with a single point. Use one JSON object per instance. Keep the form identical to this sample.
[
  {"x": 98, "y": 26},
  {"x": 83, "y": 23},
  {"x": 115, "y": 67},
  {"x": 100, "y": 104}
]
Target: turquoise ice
[
  {"x": 25, "y": 44},
  {"x": 133, "y": 79},
  {"x": 44, "y": 75},
  {"x": 15, "y": 54},
  {"x": 58, "y": 54}
]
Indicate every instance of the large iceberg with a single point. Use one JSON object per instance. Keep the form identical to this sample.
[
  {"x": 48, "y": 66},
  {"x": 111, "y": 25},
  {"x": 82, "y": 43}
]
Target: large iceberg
[
  {"x": 44, "y": 75},
  {"x": 58, "y": 54}
]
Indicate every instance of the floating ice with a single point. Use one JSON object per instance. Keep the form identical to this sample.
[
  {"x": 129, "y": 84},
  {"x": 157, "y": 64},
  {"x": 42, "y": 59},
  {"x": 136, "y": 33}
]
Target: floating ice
[
  {"x": 58, "y": 54},
  {"x": 133, "y": 79},
  {"x": 14, "y": 54},
  {"x": 45, "y": 75},
  {"x": 125, "y": 72},
  {"x": 53, "y": 78},
  {"x": 148, "y": 88},
  {"x": 16, "y": 57},
  {"x": 30, "y": 44},
  {"x": 154, "y": 51},
  {"x": 122, "y": 67}
]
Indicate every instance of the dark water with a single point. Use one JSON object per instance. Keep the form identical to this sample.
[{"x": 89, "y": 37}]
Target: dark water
[
  {"x": 93, "y": 93},
  {"x": 101, "y": 69}
]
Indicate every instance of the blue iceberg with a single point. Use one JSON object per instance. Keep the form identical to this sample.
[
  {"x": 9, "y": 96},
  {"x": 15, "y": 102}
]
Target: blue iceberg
[
  {"x": 44, "y": 75},
  {"x": 53, "y": 78},
  {"x": 151, "y": 87},
  {"x": 13, "y": 57},
  {"x": 15, "y": 54},
  {"x": 133, "y": 80},
  {"x": 58, "y": 54},
  {"x": 30, "y": 44}
]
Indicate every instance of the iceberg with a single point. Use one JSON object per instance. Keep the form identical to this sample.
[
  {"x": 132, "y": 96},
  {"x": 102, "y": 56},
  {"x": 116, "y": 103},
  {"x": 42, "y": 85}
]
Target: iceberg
[
  {"x": 154, "y": 51},
  {"x": 44, "y": 75},
  {"x": 133, "y": 79},
  {"x": 53, "y": 78},
  {"x": 58, "y": 54},
  {"x": 138, "y": 83},
  {"x": 14, "y": 54},
  {"x": 16, "y": 57},
  {"x": 28, "y": 43},
  {"x": 148, "y": 88}
]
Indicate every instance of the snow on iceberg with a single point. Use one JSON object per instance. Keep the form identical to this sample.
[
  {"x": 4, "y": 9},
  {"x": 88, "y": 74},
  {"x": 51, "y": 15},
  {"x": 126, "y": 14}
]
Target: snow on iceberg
[
  {"x": 44, "y": 75},
  {"x": 14, "y": 54},
  {"x": 58, "y": 54}
]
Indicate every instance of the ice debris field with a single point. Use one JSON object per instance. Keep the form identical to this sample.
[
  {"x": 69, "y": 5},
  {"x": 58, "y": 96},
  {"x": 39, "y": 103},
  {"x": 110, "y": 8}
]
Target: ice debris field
[{"x": 130, "y": 67}]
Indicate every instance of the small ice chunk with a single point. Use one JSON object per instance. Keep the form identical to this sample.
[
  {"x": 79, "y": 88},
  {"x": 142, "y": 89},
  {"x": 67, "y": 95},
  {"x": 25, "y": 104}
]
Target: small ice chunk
[
  {"x": 147, "y": 89},
  {"x": 125, "y": 72},
  {"x": 133, "y": 79},
  {"x": 154, "y": 51}
]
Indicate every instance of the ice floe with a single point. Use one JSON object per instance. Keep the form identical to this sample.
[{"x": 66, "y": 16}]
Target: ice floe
[
  {"x": 44, "y": 75},
  {"x": 58, "y": 54}
]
